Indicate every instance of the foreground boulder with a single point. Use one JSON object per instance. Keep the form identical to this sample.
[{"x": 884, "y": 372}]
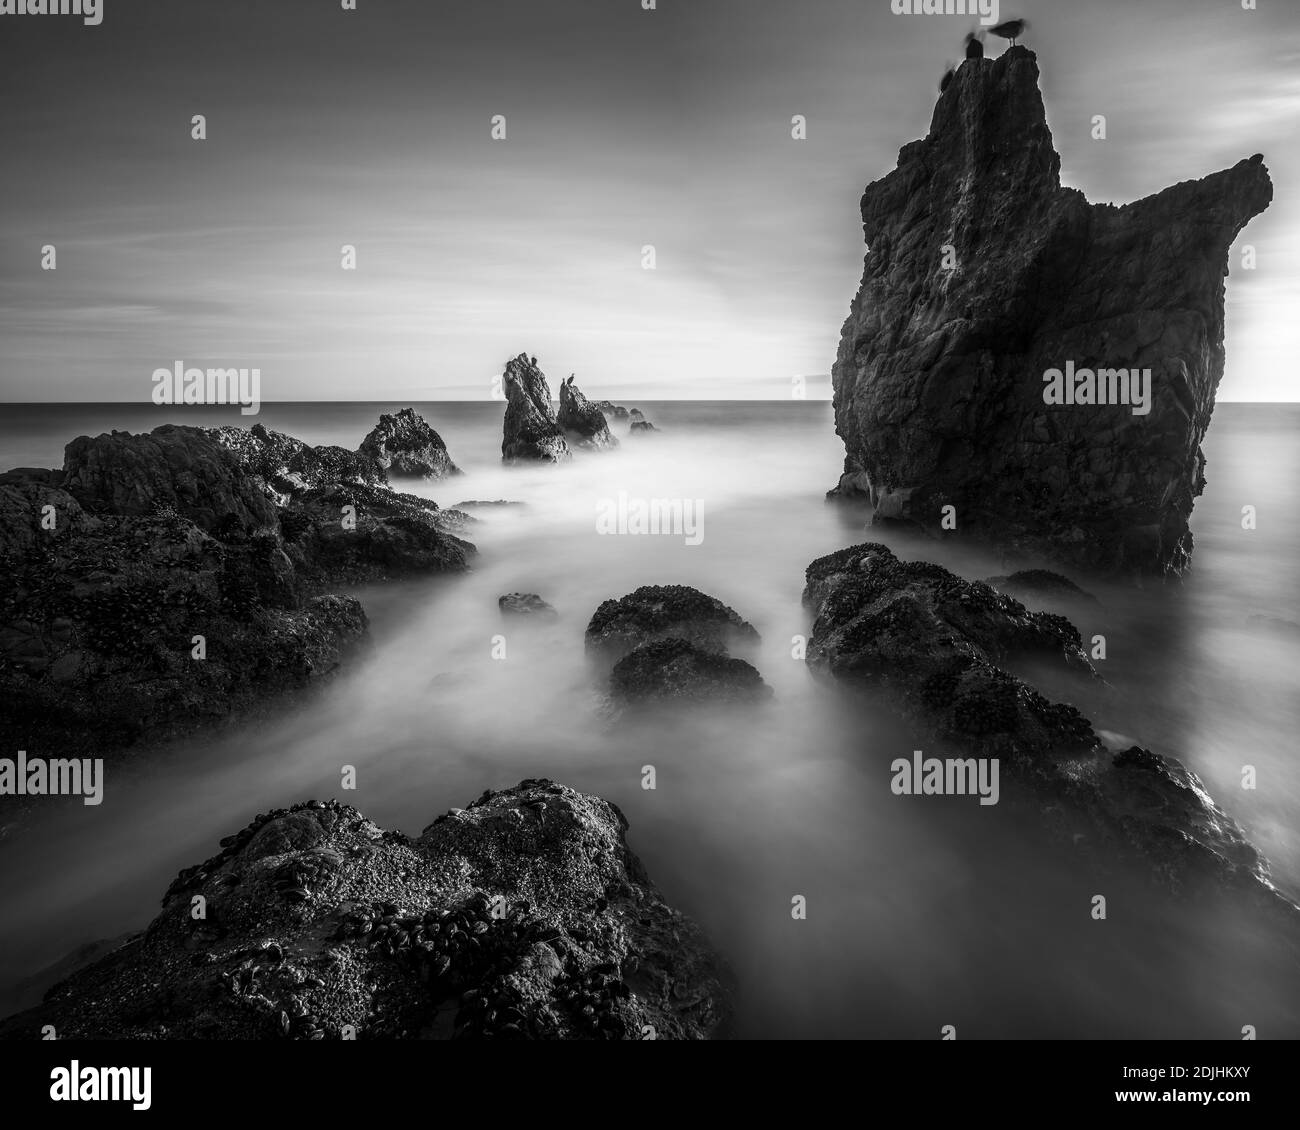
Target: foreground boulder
[
  {"x": 582, "y": 421},
  {"x": 937, "y": 648},
  {"x": 983, "y": 275},
  {"x": 530, "y": 432},
  {"x": 165, "y": 580},
  {"x": 657, "y": 612},
  {"x": 524, "y": 916},
  {"x": 405, "y": 446}
]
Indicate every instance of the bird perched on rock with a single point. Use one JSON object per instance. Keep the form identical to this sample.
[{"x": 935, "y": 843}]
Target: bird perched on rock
[
  {"x": 1011, "y": 30},
  {"x": 974, "y": 46}
]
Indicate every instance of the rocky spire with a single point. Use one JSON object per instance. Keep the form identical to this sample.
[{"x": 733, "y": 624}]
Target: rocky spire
[{"x": 983, "y": 274}]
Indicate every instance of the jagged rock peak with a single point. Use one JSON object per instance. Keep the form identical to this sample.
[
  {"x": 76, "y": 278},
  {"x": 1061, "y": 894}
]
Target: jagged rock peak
[
  {"x": 983, "y": 280},
  {"x": 530, "y": 430},
  {"x": 582, "y": 421},
  {"x": 405, "y": 445}
]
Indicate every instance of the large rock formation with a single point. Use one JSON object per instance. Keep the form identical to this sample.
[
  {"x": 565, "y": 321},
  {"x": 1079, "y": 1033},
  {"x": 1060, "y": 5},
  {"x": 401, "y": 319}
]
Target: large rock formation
[
  {"x": 186, "y": 469},
  {"x": 938, "y": 650},
  {"x": 582, "y": 421},
  {"x": 162, "y": 580},
  {"x": 982, "y": 274},
  {"x": 405, "y": 446},
  {"x": 524, "y": 916},
  {"x": 530, "y": 431}
]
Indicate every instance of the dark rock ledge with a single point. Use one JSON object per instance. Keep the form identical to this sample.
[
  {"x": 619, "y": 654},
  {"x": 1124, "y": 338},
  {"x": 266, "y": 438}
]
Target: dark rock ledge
[
  {"x": 111, "y": 566},
  {"x": 936, "y": 648}
]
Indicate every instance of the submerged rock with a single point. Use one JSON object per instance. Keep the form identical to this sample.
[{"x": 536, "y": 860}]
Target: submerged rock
[
  {"x": 524, "y": 916},
  {"x": 526, "y": 604},
  {"x": 404, "y": 445},
  {"x": 937, "y": 647},
  {"x": 983, "y": 274},
  {"x": 656, "y": 612},
  {"x": 530, "y": 429},
  {"x": 582, "y": 421}
]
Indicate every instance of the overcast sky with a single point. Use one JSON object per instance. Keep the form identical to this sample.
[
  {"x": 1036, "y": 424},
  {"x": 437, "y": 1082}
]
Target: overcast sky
[{"x": 624, "y": 128}]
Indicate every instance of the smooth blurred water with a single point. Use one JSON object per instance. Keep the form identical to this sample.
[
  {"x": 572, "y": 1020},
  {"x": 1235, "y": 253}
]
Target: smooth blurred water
[{"x": 922, "y": 912}]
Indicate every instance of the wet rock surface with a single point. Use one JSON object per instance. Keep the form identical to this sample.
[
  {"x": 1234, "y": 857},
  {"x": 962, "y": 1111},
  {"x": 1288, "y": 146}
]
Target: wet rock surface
[
  {"x": 530, "y": 431},
  {"x": 405, "y": 446},
  {"x": 656, "y": 612},
  {"x": 675, "y": 672},
  {"x": 936, "y": 648},
  {"x": 582, "y": 421},
  {"x": 984, "y": 273},
  {"x": 524, "y": 916},
  {"x": 162, "y": 581},
  {"x": 527, "y": 604}
]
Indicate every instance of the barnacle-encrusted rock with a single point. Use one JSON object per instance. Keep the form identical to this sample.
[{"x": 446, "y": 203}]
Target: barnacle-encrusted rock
[
  {"x": 656, "y": 612},
  {"x": 163, "y": 580},
  {"x": 524, "y": 916},
  {"x": 404, "y": 445},
  {"x": 937, "y": 647}
]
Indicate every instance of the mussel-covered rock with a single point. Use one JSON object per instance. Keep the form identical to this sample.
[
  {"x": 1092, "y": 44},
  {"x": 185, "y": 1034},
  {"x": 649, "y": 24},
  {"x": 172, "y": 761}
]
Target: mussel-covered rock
[
  {"x": 938, "y": 647},
  {"x": 523, "y": 916},
  {"x": 655, "y": 612}
]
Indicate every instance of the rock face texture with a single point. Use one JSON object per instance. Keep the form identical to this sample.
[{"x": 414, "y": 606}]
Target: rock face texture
[
  {"x": 983, "y": 274},
  {"x": 609, "y": 408},
  {"x": 527, "y": 604},
  {"x": 405, "y": 446},
  {"x": 524, "y": 916},
  {"x": 530, "y": 430},
  {"x": 163, "y": 580},
  {"x": 582, "y": 421},
  {"x": 675, "y": 672},
  {"x": 657, "y": 612},
  {"x": 938, "y": 648},
  {"x": 670, "y": 645}
]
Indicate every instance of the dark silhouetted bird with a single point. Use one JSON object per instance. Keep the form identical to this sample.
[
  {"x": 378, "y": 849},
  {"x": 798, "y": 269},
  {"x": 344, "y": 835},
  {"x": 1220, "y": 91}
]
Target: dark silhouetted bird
[
  {"x": 1010, "y": 30},
  {"x": 974, "y": 46},
  {"x": 946, "y": 81}
]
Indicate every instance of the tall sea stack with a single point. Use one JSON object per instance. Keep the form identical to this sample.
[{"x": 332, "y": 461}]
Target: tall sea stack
[
  {"x": 983, "y": 274},
  {"x": 529, "y": 430}
]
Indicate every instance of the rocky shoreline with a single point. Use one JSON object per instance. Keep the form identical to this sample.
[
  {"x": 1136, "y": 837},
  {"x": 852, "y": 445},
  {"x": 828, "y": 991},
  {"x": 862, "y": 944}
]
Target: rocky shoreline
[{"x": 161, "y": 581}]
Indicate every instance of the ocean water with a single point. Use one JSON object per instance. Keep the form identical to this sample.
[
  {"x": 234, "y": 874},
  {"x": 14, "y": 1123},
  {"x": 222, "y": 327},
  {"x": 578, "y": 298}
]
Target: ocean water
[{"x": 921, "y": 912}]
